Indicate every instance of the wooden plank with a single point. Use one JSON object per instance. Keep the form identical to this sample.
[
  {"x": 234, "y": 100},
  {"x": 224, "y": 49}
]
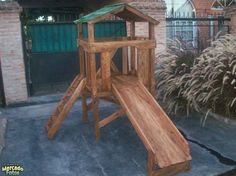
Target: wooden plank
[
  {"x": 143, "y": 70},
  {"x": 156, "y": 130},
  {"x": 173, "y": 170},
  {"x": 84, "y": 108},
  {"x": 132, "y": 48},
  {"x": 114, "y": 67},
  {"x": 96, "y": 120},
  {"x": 94, "y": 91},
  {"x": 111, "y": 118},
  {"x": 87, "y": 72},
  {"x": 81, "y": 51},
  {"x": 99, "y": 72},
  {"x": 64, "y": 100},
  {"x": 106, "y": 16},
  {"x": 125, "y": 60},
  {"x": 104, "y": 94},
  {"x": 152, "y": 80},
  {"x": 65, "y": 109},
  {"x": 96, "y": 47},
  {"x": 90, "y": 32},
  {"x": 92, "y": 71},
  {"x": 150, "y": 163},
  {"x": 106, "y": 70},
  {"x": 111, "y": 99}
]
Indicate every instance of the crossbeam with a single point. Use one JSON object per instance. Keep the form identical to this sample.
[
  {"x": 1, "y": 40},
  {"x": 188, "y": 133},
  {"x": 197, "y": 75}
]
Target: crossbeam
[{"x": 111, "y": 118}]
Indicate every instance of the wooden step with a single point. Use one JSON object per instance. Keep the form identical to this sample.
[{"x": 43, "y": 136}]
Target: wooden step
[{"x": 63, "y": 107}]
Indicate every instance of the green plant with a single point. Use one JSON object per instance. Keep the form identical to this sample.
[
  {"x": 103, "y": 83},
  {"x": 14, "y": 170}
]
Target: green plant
[
  {"x": 213, "y": 78},
  {"x": 205, "y": 82},
  {"x": 172, "y": 74}
]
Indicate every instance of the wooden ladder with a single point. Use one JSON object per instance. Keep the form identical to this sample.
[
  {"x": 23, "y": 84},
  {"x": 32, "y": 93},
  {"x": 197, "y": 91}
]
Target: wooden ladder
[{"x": 64, "y": 106}]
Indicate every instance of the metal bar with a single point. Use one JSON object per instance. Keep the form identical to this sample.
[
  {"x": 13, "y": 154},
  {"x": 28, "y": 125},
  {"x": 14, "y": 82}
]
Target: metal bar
[{"x": 197, "y": 19}]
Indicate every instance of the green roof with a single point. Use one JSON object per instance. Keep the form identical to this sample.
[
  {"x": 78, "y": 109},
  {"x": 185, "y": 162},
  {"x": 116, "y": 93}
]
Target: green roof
[{"x": 101, "y": 12}]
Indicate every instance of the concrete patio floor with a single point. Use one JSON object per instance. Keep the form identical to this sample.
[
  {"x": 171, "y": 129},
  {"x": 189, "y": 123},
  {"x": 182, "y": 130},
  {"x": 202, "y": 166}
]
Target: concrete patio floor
[{"x": 119, "y": 152}]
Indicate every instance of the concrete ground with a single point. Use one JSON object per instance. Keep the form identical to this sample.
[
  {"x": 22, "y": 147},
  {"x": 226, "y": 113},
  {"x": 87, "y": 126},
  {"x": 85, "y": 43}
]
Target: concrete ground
[{"x": 119, "y": 152}]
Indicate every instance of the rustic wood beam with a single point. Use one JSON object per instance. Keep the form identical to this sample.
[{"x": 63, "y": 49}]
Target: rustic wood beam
[
  {"x": 96, "y": 47},
  {"x": 132, "y": 48},
  {"x": 81, "y": 51},
  {"x": 90, "y": 32},
  {"x": 125, "y": 60},
  {"x": 106, "y": 70},
  {"x": 111, "y": 118},
  {"x": 143, "y": 70},
  {"x": 173, "y": 170},
  {"x": 152, "y": 81}
]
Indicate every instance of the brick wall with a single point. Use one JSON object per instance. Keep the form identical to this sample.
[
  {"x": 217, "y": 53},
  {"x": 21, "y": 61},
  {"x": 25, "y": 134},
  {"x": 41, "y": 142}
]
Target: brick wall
[
  {"x": 156, "y": 9},
  {"x": 11, "y": 54},
  {"x": 231, "y": 12},
  {"x": 202, "y": 7}
]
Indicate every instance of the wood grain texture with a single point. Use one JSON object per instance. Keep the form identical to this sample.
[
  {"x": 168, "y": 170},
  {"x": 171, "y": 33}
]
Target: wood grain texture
[
  {"x": 92, "y": 73},
  {"x": 106, "y": 70},
  {"x": 173, "y": 170},
  {"x": 81, "y": 51},
  {"x": 143, "y": 70},
  {"x": 64, "y": 106},
  {"x": 152, "y": 61},
  {"x": 125, "y": 63},
  {"x": 111, "y": 118},
  {"x": 132, "y": 48},
  {"x": 84, "y": 108},
  {"x": 101, "y": 46},
  {"x": 156, "y": 130},
  {"x": 90, "y": 32}
]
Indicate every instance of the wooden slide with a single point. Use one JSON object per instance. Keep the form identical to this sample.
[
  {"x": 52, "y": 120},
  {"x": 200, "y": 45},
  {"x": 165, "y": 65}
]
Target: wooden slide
[{"x": 156, "y": 130}]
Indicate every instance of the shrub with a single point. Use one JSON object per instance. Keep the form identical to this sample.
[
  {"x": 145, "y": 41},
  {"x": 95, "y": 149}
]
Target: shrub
[
  {"x": 213, "y": 81},
  {"x": 172, "y": 74},
  {"x": 209, "y": 81}
]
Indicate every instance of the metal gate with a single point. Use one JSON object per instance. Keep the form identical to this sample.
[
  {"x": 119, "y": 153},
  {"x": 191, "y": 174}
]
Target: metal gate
[
  {"x": 52, "y": 52},
  {"x": 196, "y": 34}
]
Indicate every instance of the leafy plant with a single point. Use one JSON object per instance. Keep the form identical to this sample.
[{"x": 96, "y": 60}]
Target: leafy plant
[
  {"x": 173, "y": 72},
  {"x": 213, "y": 81},
  {"x": 205, "y": 82}
]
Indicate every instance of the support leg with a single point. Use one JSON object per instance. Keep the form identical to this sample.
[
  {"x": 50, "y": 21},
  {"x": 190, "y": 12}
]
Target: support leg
[
  {"x": 150, "y": 163},
  {"x": 85, "y": 108},
  {"x": 96, "y": 118}
]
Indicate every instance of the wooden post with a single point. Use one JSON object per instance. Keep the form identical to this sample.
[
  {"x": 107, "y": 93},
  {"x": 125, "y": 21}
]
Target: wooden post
[
  {"x": 95, "y": 100},
  {"x": 81, "y": 51},
  {"x": 90, "y": 32},
  {"x": 106, "y": 70},
  {"x": 125, "y": 60},
  {"x": 132, "y": 53},
  {"x": 87, "y": 68},
  {"x": 152, "y": 81},
  {"x": 143, "y": 70},
  {"x": 150, "y": 163},
  {"x": 84, "y": 108}
]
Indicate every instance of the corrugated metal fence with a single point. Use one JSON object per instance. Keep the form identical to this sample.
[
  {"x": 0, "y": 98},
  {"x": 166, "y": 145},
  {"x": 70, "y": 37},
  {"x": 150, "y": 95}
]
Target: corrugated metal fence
[
  {"x": 62, "y": 37},
  {"x": 54, "y": 58}
]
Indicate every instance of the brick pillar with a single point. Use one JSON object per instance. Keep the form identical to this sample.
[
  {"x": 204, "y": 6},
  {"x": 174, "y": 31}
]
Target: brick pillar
[
  {"x": 156, "y": 9},
  {"x": 11, "y": 53},
  {"x": 231, "y": 12}
]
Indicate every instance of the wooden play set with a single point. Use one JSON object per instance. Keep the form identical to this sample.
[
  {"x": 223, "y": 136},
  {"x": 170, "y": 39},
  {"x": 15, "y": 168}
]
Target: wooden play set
[{"x": 132, "y": 88}]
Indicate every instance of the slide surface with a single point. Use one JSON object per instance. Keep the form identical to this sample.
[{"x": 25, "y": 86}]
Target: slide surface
[{"x": 153, "y": 126}]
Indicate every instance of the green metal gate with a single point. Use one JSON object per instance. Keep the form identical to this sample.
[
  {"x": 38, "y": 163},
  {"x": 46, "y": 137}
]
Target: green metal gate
[{"x": 53, "y": 58}]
